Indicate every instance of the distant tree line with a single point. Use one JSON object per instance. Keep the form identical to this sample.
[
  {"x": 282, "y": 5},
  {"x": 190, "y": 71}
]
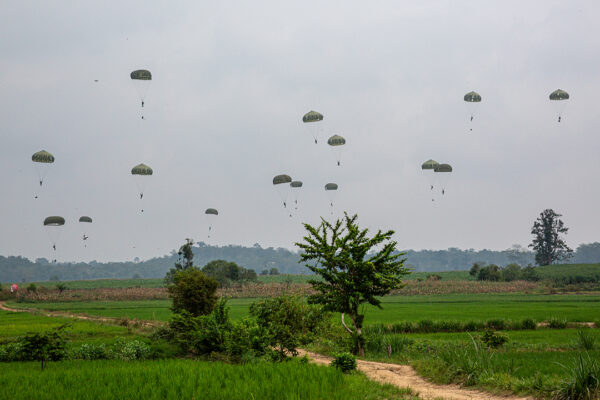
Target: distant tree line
[
  {"x": 20, "y": 269},
  {"x": 509, "y": 273}
]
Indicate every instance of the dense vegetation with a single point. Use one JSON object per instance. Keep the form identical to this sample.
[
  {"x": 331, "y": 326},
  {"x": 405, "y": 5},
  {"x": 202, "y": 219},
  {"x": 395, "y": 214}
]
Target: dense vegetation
[{"x": 20, "y": 269}]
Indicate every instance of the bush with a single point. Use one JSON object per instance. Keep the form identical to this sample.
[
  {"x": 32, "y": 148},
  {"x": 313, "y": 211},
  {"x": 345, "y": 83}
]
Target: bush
[
  {"x": 11, "y": 352},
  {"x": 46, "y": 346},
  {"x": 489, "y": 273},
  {"x": 226, "y": 272},
  {"x": 345, "y": 362},
  {"x": 494, "y": 340},
  {"x": 556, "y": 323},
  {"x": 61, "y": 287},
  {"x": 528, "y": 323},
  {"x": 511, "y": 272},
  {"x": 192, "y": 291},
  {"x": 32, "y": 288},
  {"x": 128, "y": 351},
  {"x": 530, "y": 274},
  {"x": 290, "y": 321},
  {"x": 496, "y": 324},
  {"x": 89, "y": 351},
  {"x": 584, "y": 383}
]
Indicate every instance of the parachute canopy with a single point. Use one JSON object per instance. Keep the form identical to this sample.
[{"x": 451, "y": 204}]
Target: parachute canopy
[
  {"x": 211, "y": 211},
  {"x": 336, "y": 140},
  {"x": 42, "y": 157},
  {"x": 54, "y": 221},
  {"x": 296, "y": 184},
  {"x": 279, "y": 179},
  {"x": 141, "y": 169},
  {"x": 85, "y": 219},
  {"x": 443, "y": 168},
  {"x": 331, "y": 186},
  {"x": 312, "y": 116},
  {"x": 559, "y": 94},
  {"x": 472, "y": 97},
  {"x": 141, "y": 74},
  {"x": 430, "y": 164}
]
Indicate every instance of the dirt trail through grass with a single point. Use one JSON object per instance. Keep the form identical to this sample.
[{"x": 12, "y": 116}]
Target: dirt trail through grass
[
  {"x": 405, "y": 376},
  {"x": 402, "y": 376}
]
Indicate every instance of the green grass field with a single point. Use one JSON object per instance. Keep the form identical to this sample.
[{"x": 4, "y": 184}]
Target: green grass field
[
  {"x": 14, "y": 324},
  {"x": 458, "y": 307},
  {"x": 186, "y": 379}
]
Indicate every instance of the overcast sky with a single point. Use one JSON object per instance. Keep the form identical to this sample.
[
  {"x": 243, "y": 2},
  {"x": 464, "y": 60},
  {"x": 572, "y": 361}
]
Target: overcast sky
[{"x": 231, "y": 81}]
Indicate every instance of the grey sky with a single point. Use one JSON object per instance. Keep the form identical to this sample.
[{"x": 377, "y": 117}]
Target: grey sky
[{"x": 231, "y": 81}]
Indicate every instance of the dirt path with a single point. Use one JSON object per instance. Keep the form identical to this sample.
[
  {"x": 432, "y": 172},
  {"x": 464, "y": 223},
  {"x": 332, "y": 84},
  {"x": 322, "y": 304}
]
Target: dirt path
[{"x": 405, "y": 376}]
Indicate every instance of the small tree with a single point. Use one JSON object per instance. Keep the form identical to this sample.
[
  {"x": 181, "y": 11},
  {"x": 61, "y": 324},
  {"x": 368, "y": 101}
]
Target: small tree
[
  {"x": 511, "y": 272},
  {"x": 353, "y": 272},
  {"x": 187, "y": 254},
  {"x": 45, "y": 346},
  {"x": 193, "y": 292},
  {"x": 547, "y": 243},
  {"x": 474, "y": 269},
  {"x": 273, "y": 271}
]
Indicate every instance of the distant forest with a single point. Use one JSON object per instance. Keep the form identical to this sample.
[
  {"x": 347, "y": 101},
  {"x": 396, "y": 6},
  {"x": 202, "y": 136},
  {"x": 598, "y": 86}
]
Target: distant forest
[{"x": 20, "y": 269}]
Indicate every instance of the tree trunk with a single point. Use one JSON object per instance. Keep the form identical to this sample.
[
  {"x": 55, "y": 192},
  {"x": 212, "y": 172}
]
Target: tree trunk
[{"x": 357, "y": 320}]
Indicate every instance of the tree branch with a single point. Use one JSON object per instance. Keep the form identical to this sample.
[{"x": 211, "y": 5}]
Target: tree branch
[{"x": 346, "y": 326}]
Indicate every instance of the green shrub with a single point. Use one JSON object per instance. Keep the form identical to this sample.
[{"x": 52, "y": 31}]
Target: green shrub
[
  {"x": 345, "y": 362},
  {"x": 496, "y": 324},
  {"x": 32, "y": 288},
  {"x": 88, "y": 351},
  {"x": 493, "y": 339},
  {"x": 556, "y": 323},
  {"x": 529, "y": 324},
  {"x": 11, "y": 352},
  {"x": 44, "y": 346},
  {"x": 584, "y": 383},
  {"x": 192, "y": 291},
  {"x": 473, "y": 326},
  {"x": 425, "y": 326},
  {"x": 128, "y": 351}
]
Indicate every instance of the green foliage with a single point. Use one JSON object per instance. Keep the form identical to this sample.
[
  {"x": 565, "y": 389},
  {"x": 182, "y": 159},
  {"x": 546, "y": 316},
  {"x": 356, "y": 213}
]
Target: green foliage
[
  {"x": 290, "y": 321},
  {"x": 192, "y": 291},
  {"x": 557, "y": 323},
  {"x": 46, "y": 346},
  {"x": 90, "y": 351},
  {"x": 185, "y": 260},
  {"x": 489, "y": 273},
  {"x": 586, "y": 340},
  {"x": 528, "y": 323},
  {"x": 352, "y": 273},
  {"x": 584, "y": 381},
  {"x": 32, "y": 288},
  {"x": 226, "y": 272},
  {"x": 511, "y": 272},
  {"x": 547, "y": 243},
  {"x": 496, "y": 324},
  {"x": 129, "y": 350},
  {"x": 345, "y": 362},
  {"x": 468, "y": 364},
  {"x": 530, "y": 274},
  {"x": 273, "y": 271},
  {"x": 494, "y": 340},
  {"x": 474, "y": 271},
  {"x": 61, "y": 287}
]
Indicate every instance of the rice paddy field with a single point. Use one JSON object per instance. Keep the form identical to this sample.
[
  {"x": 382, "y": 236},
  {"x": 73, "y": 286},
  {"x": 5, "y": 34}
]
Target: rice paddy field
[
  {"x": 187, "y": 379},
  {"x": 457, "y": 307}
]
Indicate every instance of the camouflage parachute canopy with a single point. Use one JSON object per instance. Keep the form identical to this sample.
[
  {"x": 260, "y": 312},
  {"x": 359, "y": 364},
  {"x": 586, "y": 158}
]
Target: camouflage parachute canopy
[
  {"x": 85, "y": 219},
  {"x": 430, "y": 164},
  {"x": 331, "y": 186},
  {"x": 211, "y": 211},
  {"x": 281, "y": 179},
  {"x": 443, "y": 168},
  {"x": 141, "y": 74},
  {"x": 336, "y": 140},
  {"x": 54, "y": 221},
  {"x": 472, "y": 97},
  {"x": 42, "y": 157},
  {"x": 559, "y": 94},
  {"x": 296, "y": 184},
  {"x": 312, "y": 116},
  {"x": 141, "y": 169}
]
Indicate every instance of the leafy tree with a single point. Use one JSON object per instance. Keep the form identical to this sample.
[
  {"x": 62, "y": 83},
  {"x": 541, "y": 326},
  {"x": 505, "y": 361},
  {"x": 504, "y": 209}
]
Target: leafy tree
[
  {"x": 547, "y": 243},
  {"x": 489, "y": 273},
  {"x": 193, "y": 292},
  {"x": 474, "y": 269},
  {"x": 61, "y": 287},
  {"x": 273, "y": 271},
  {"x": 44, "y": 346},
  {"x": 530, "y": 274},
  {"x": 226, "y": 272},
  {"x": 511, "y": 272},
  {"x": 264, "y": 272},
  {"x": 353, "y": 271},
  {"x": 187, "y": 254}
]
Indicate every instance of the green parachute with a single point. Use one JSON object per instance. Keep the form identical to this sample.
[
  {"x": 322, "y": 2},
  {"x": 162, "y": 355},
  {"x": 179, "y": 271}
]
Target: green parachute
[
  {"x": 282, "y": 189},
  {"x": 295, "y": 185},
  {"x": 337, "y": 142},
  {"x": 331, "y": 190},
  {"x": 472, "y": 99},
  {"x": 429, "y": 166},
  {"x": 53, "y": 226},
  {"x": 557, "y": 97},
  {"x": 42, "y": 160},
  {"x": 313, "y": 121},
  {"x": 141, "y": 79},
  {"x": 140, "y": 173},
  {"x": 85, "y": 219},
  {"x": 442, "y": 172},
  {"x": 210, "y": 214}
]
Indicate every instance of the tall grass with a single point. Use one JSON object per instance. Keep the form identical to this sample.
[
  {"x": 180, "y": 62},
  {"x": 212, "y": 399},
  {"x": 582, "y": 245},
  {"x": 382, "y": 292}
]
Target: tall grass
[
  {"x": 584, "y": 383},
  {"x": 186, "y": 379}
]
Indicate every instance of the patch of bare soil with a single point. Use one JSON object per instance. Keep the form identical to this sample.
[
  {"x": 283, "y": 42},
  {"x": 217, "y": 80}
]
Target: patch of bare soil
[{"x": 404, "y": 376}]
